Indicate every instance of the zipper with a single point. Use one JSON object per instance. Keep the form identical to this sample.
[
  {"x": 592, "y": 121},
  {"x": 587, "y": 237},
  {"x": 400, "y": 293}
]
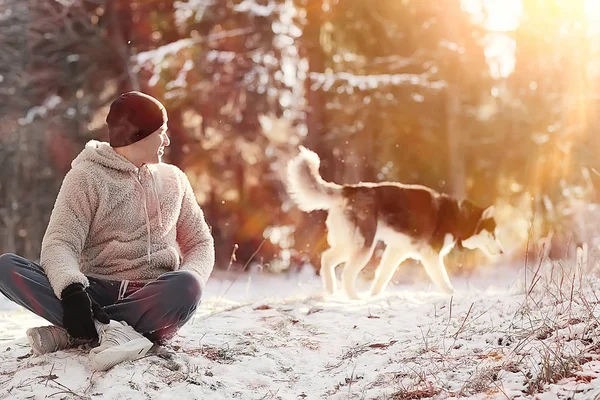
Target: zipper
[{"x": 149, "y": 243}]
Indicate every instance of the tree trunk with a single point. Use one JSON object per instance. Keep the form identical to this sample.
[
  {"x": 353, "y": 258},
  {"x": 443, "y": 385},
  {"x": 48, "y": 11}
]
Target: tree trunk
[
  {"x": 116, "y": 31},
  {"x": 456, "y": 162},
  {"x": 315, "y": 99}
]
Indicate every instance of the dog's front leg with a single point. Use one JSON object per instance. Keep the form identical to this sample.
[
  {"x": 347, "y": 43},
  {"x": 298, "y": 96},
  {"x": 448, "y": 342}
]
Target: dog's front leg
[
  {"x": 392, "y": 257},
  {"x": 330, "y": 259},
  {"x": 435, "y": 268}
]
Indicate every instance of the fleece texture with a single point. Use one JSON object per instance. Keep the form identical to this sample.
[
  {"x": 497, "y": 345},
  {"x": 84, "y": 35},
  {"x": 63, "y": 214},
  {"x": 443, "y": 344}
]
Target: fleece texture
[{"x": 114, "y": 221}]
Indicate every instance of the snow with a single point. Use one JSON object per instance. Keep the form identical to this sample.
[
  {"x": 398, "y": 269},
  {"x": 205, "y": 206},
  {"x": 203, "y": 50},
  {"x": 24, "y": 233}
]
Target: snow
[
  {"x": 40, "y": 111},
  {"x": 261, "y": 336},
  {"x": 452, "y": 46},
  {"x": 224, "y": 57},
  {"x": 328, "y": 79},
  {"x": 157, "y": 55},
  {"x": 252, "y": 7},
  {"x": 158, "y": 59},
  {"x": 184, "y": 10},
  {"x": 180, "y": 81}
]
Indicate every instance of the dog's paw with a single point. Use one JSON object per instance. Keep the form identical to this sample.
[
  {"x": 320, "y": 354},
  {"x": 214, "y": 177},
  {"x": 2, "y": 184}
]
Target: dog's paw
[
  {"x": 321, "y": 296},
  {"x": 448, "y": 291},
  {"x": 356, "y": 296}
]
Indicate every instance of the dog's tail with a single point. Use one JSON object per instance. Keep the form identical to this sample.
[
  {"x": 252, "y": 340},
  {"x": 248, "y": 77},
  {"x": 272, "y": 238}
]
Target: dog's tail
[{"x": 305, "y": 185}]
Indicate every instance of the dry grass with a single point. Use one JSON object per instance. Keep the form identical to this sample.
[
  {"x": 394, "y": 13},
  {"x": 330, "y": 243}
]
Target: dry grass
[
  {"x": 547, "y": 339},
  {"x": 423, "y": 390}
]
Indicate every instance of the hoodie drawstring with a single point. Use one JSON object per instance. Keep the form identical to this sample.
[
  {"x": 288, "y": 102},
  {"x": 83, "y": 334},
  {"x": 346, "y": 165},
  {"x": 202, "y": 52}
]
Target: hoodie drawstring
[
  {"x": 157, "y": 200},
  {"x": 123, "y": 289},
  {"x": 138, "y": 180}
]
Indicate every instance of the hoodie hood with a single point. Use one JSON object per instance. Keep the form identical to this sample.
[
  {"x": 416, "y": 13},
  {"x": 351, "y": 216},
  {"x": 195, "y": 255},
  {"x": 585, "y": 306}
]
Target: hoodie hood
[{"x": 102, "y": 153}]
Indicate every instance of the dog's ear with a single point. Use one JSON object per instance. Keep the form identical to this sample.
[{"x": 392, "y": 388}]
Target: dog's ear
[{"x": 489, "y": 212}]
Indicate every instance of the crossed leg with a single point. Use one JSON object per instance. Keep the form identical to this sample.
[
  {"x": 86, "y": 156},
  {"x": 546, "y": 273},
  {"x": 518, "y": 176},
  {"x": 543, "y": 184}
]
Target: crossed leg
[
  {"x": 157, "y": 310},
  {"x": 349, "y": 243},
  {"x": 330, "y": 259},
  {"x": 391, "y": 259},
  {"x": 435, "y": 268},
  {"x": 355, "y": 264}
]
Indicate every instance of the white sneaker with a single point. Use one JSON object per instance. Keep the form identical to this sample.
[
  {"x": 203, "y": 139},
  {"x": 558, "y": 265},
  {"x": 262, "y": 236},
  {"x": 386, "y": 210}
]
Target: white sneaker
[
  {"x": 119, "y": 342},
  {"x": 48, "y": 339}
]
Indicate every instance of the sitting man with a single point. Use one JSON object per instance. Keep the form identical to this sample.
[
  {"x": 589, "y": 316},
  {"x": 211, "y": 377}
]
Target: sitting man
[{"x": 127, "y": 250}]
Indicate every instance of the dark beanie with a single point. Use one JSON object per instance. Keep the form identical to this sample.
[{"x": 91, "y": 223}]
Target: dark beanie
[{"x": 132, "y": 117}]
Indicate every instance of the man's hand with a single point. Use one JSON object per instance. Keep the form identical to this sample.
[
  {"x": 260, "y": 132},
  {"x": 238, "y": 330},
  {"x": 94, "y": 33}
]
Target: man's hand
[{"x": 79, "y": 311}]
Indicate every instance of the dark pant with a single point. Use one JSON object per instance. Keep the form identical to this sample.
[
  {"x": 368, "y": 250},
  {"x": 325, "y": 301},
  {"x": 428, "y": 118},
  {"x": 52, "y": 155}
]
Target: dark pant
[{"x": 156, "y": 309}]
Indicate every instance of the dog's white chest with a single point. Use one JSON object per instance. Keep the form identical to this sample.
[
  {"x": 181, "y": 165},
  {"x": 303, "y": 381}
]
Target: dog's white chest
[{"x": 390, "y": 236}]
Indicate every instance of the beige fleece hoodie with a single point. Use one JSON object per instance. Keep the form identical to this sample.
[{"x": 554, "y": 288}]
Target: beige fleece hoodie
[{"x": 114, "y": 221}]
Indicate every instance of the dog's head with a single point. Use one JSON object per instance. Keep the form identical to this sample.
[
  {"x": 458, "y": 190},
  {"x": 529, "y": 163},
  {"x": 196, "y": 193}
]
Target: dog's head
[{"x": 480, "y": 229}]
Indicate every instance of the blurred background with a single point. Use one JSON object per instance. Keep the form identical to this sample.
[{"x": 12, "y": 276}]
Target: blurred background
[{"x": 494, "y": 100}]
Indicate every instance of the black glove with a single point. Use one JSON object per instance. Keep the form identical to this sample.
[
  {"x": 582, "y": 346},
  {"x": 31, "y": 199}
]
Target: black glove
[{"x": 79, "y": 311}]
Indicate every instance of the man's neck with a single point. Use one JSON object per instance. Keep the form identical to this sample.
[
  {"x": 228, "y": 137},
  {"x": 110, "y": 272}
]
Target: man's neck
[{"x": 130, "y": 156}]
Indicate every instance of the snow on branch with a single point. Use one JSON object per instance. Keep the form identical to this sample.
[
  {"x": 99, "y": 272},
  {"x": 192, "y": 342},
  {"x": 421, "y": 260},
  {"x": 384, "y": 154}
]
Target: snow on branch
[
  {"x": 327, "y": 80},
  {"x": 397, "y": 61},
  {"x": 221, "y": 56},
  {"x": 186, "y": 9},
  {"x": 157, "y": 55},
  {"x": 155, "y": 59},
  {"x": 453, "y": 46},
  {"x": 252, "y": 7},
  {"x": 40, "y": 111}
]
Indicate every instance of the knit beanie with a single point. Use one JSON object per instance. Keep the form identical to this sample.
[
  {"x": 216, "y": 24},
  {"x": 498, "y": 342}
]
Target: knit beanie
[{"x": 132, "y": 117}]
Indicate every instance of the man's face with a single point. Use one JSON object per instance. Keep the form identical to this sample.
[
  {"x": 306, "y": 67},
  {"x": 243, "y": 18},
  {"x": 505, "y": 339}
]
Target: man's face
[{"x": 152, "y": 148}]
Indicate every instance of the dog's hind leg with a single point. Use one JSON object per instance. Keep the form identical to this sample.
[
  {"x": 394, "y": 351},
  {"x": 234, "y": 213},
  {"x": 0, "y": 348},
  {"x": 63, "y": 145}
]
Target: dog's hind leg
[
  {"x": 391, "y": 259},
  {"x": 356, "y": 262},
  {"x": 338, "y": 239},
  {"x": 435, "y": 268},
  {"x": 330, "y": 259}
]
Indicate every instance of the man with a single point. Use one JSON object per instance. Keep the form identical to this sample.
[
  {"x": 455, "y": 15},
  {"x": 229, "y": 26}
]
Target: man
[{"x": 127, "y": 250}]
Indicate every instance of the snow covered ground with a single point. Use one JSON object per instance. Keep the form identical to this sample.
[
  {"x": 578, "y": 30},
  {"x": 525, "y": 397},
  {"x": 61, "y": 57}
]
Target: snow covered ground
[{"x": 502, "y": 335}]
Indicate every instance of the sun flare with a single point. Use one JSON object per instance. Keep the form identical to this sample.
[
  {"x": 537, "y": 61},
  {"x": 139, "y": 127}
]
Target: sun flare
[
  {"x": 505, "y": 15},
  {"x": 592, "y": 12}
]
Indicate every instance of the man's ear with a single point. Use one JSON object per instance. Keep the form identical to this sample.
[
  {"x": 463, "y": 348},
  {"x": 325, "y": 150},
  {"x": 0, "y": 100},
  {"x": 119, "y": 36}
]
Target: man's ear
[{"x": 489, "y": 212}]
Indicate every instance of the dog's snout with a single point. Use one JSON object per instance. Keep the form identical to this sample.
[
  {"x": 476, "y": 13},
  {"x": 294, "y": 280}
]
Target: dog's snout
[{"x": 500, "y": 246}]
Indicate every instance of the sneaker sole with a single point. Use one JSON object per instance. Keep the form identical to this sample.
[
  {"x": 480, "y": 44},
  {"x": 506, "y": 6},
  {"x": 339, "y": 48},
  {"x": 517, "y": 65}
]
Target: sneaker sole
[{"x": 105, "y": 359}]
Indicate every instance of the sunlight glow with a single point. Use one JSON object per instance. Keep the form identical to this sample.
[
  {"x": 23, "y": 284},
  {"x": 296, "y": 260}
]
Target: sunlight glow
[
  {"x": 499, "y": 18},
  {"x": 574, "y": 26},
  {"x": 503, "y": 16},
  {"x": 592, "y": 12}
]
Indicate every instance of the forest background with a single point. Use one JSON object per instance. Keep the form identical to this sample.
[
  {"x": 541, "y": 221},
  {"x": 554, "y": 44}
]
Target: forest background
[{"x": 496, "y": 101}]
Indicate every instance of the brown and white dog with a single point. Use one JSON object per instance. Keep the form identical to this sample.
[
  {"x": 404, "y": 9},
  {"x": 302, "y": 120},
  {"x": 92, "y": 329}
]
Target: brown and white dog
[{"x": 412, "y": 220}]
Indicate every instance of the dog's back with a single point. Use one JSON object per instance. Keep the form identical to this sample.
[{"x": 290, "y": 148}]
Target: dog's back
[{"x": 409, "y": 210}]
